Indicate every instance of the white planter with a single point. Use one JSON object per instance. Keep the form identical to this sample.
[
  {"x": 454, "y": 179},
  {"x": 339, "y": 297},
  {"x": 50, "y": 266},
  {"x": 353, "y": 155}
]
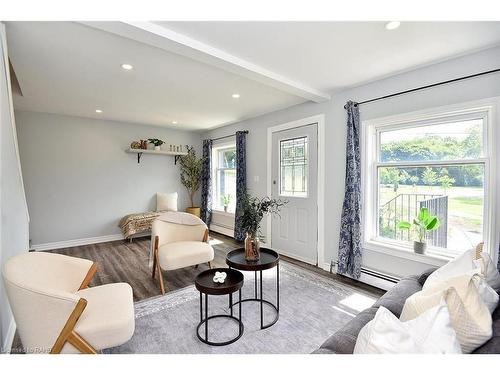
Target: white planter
[{"x": 157, "y": 148}]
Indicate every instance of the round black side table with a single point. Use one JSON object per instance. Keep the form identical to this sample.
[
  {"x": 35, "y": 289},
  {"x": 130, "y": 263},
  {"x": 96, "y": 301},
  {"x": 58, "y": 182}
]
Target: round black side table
[
  {"x": 268, "y": 259},
  {"x": 206, "y": 285}
]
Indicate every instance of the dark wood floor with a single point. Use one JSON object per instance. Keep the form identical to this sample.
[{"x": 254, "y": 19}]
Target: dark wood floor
[{"x": 122, "y": 261}]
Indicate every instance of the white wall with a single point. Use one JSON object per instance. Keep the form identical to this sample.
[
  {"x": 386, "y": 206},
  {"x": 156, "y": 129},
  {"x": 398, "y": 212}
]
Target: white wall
[
  {"x": 79, "y": 180},
  {"x": 335, "y": 132},
  {"x": 14, "y": 216}
]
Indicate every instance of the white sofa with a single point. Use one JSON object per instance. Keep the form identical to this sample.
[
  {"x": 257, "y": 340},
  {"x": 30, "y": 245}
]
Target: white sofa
[{"x": 56, "y": 312}]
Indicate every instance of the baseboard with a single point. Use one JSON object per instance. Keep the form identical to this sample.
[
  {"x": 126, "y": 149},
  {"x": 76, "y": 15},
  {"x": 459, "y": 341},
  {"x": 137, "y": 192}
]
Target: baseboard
[
  {"x": 9, "y": 338},
  {"x": 79, "y": 242},
  {"x": 222, "y": 230},
  {"x": 369, "y": 277}
]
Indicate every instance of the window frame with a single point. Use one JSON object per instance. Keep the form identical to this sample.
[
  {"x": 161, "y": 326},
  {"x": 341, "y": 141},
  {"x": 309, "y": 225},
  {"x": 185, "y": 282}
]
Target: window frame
[
  {"x": 370, "y": 144},
  {"x": 220, "y": 147},
  {"x": 306, "y": 175}
]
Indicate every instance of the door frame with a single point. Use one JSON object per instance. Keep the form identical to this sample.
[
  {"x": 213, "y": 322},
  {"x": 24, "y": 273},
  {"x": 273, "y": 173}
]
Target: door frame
[{"x": 320, "y": 121}]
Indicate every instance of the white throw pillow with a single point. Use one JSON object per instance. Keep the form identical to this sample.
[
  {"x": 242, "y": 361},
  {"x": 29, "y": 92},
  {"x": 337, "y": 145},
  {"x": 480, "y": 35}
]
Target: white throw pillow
[
  {"x": 431, "y": 333},
  {"x": 166, "y": 201},
  {"x": 461, "y": 283},
  {"x": 469, "y": 314},
  {"x": 464, "y": 263}
]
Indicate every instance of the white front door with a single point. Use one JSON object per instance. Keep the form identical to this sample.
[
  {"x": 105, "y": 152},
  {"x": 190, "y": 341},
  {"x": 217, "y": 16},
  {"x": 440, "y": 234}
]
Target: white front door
[{"x": 295, "y": 178}]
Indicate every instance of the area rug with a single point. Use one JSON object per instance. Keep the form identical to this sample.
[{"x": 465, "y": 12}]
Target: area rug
[{"x": 312, "y": 307}]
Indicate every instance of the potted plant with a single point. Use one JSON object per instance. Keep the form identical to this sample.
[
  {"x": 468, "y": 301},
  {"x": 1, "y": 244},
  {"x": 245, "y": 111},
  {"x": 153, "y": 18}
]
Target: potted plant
[
  {"x": 254, "y": 210},
  {"x": 227, "y": 200},
  {"x": 191, "y": 168},
  {"x": 423, "y": 223},
  {"x": 156, "y": 142}
]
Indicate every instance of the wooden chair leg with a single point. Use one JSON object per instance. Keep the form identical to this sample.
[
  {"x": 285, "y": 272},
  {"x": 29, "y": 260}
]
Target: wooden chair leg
[
  {"x": 160, "y": 276},
  {"x": 68, "y": 335},
  {"x": 210, "y": 265},
  {"x": 88, "y": 277},
  {"x": 79, "y": 342}
]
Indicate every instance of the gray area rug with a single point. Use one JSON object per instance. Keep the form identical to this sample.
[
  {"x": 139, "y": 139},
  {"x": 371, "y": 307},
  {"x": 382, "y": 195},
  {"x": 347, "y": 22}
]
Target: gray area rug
[{"x": 312, "y": 307}]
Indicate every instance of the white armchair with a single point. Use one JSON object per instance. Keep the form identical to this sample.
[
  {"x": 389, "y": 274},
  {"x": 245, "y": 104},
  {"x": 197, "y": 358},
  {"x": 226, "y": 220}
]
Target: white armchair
[
  {"x": 179, "y": 245},
  {"x": 56, "y": 312}
]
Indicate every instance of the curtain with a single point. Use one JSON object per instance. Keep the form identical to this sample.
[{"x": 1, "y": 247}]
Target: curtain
[
  {"x": 206, "y": 182},
  {"x": 241, "y": 182},
  {"x": 350, "y": 251}
]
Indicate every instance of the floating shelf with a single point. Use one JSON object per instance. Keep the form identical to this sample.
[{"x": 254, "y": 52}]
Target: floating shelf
[{"x": 139, "y": 153}]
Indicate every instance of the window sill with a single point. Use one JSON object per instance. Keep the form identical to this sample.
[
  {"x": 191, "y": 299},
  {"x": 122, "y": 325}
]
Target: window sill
[
  {"x": 406, "y": 252},
  {"x": 222, "y": 213}
]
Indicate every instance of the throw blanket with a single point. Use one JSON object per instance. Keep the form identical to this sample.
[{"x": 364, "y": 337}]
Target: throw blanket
[
  {"x": 138, "y": 223},
  {"x": 182, "y": 218}
]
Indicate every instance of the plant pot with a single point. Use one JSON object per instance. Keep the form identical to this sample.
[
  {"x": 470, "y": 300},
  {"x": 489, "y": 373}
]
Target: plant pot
[
  {"x": 157, "y": 148},
  {"x": 196, "y": 211},
  {"x": 419, "y": 247},
  {"x": 252, "y": 248},
  {"x": 225, "y": 208}
]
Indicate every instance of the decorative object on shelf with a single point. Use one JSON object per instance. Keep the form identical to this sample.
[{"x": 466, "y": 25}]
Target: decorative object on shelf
[
  {"x": 254, "y": 209},
  {"x": 423, "y": 223},
  {"x": 156, "y": 142},
  {"x": 190, "y": 167},
  {"x": 227, "y": 200},
  {"x": 144, "y": 144},
  {"x": 135, "y": 145},
  {"x": 220, "y": 277}
]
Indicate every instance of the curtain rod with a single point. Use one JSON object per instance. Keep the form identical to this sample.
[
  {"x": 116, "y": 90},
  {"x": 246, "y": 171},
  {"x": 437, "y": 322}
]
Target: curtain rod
[
  {"x": 429, "y": 86},
  {"x": 228, "y": 136}
]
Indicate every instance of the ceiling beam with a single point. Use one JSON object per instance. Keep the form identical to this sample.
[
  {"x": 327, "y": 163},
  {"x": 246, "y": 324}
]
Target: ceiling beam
[{"x": 161, "y": 37}]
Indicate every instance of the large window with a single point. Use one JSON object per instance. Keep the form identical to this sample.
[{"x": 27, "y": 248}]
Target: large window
[
  {"x": 224, "y": 178},
  {"x": 439, "y": 162}
]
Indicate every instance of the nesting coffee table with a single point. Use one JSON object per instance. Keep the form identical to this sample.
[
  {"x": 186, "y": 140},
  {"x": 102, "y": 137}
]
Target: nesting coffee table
[
  {"x": 206, "y": 285},
  {"x": 268, "y": 259}
]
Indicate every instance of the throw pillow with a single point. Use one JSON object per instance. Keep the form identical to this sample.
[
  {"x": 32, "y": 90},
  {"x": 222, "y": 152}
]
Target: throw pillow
[
  {"x": 166, "y": 201},
  {"x": 469, "y": 314},
  {"x": 431, "y": 333},
  {"x": 465, "y": 263}
]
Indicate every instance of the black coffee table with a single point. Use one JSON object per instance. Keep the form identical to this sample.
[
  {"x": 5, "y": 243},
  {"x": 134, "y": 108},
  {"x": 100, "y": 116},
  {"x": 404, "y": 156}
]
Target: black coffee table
[
  {"x": 205, "y": 284},
  {"x": 268, "y": 259}
]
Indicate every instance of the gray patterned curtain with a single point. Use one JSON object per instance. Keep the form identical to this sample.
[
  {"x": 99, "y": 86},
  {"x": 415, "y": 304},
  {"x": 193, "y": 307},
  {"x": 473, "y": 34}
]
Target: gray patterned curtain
[
  {"x": 350, "y": 251},
  {"x": 241, "y": 182},
  {"x": 206, "y": 182}
]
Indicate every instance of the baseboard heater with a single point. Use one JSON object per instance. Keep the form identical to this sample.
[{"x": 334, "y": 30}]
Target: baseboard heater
[{"x": 370, "y": 272}]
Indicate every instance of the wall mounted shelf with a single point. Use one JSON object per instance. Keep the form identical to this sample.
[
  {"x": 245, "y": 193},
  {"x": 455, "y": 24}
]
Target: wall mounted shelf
[{"x": 139, "y": 153}]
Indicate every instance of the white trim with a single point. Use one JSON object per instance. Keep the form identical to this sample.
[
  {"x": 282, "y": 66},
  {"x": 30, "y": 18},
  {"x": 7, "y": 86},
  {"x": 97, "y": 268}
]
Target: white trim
[
  {"x": 320, "y": 121},
  {"x": 9, "y": 337},
  {"x": 222, "y": 230},
  {"x": 81, "y": 241},
  {"x": 489, "y": 108},
  {"x": 376, "y": 281},
  {"x": 168, "y": 40}
]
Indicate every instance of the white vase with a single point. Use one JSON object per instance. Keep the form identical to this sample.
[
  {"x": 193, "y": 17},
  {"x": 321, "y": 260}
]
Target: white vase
[{"x": 157, "y": 148}]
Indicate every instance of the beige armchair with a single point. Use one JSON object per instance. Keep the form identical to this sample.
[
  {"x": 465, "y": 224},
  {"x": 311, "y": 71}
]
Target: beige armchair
[
  {"x": 56, "y": 312},
  {"x": 179, "y": 245}
]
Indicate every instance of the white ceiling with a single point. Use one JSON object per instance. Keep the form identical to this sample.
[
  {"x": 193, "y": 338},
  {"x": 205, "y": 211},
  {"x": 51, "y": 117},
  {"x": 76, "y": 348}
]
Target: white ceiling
[
  {"x": 335, "y": 55},
  {"x": 187, "y": 71}
]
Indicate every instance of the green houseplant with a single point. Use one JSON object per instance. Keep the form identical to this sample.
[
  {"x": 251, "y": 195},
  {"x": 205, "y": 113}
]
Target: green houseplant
[
  {"x": 226, "y": 199},
  {"x": 190, "y": 169},
  {"x": 424, "y": 222},
  {"x": 254, "y": 209},
  {"x": 156, "y": 142}
]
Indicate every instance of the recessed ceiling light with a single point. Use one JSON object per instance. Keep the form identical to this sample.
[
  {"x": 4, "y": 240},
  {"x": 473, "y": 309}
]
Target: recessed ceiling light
[
  {"x": 98, "y": 111},
  {"x": 127, "y": 67},
  {"x": 174, "y": 122},
  {"x": 235, "y": 96},
  {"x": 392, "y": 25}
]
